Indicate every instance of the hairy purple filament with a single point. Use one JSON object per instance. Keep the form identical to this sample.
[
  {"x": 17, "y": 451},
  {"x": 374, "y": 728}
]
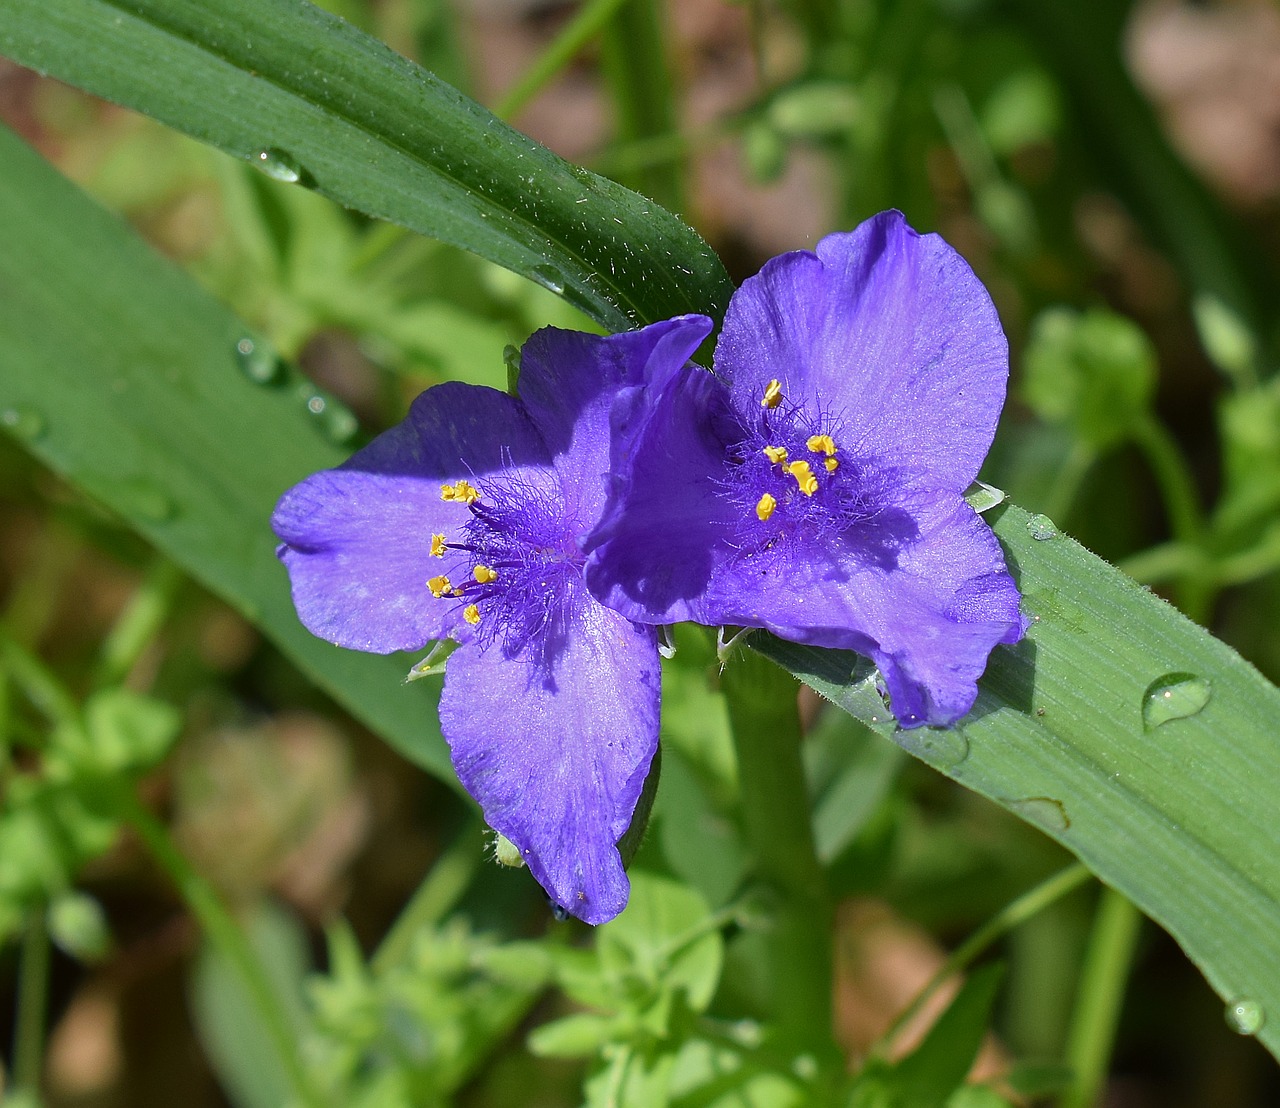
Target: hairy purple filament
[{"x": 521, "y": 551}]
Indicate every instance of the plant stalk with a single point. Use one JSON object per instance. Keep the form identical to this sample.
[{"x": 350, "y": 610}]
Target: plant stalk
[{"x": 765, "y": 722}]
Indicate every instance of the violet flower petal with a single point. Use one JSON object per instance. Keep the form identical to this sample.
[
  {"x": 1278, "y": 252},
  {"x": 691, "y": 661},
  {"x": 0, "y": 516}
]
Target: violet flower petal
[
  {"x": 571, "y": 382},
  {"x": 888, "y": 331},
  {"x": 669, "y": 522},
  {"x": 356, "y": 540},
  {"x": 928, "y": 616},
  {"x": 556, "y": 745}
]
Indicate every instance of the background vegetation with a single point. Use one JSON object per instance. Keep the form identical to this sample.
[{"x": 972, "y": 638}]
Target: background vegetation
[{"x": 234, "y": 867}]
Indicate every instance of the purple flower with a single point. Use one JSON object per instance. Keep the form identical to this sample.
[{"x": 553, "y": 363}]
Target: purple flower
[
  {"x": 813, "y": 485},
  {"x": 466, "y": 521}
]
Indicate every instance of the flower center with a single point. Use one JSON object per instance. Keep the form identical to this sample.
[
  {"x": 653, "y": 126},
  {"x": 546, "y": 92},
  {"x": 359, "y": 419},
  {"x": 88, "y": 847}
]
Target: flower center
[
  {"x": 792, "y": 476},
  {"x": 517, "y": 552}
]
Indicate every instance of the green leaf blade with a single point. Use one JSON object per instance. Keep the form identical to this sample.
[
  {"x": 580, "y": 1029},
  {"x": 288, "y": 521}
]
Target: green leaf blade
[
  {"x": 1176, "y": 815},
  {"x": 377, "y": 133},
  {"x": 121, "y": 374}
]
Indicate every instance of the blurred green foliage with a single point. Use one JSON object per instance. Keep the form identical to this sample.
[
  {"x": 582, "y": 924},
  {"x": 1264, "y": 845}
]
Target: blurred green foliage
[{"x": 1137, "y": 312}]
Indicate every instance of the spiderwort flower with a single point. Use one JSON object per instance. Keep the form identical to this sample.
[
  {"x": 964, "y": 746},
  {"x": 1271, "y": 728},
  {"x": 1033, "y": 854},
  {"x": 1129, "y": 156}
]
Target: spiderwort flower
[
  {"x": 466, "y": 521},
  {"x": 813, "y": 484}
]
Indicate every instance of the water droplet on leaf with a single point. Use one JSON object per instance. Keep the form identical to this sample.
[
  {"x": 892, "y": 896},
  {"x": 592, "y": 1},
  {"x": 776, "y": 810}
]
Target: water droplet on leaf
[
  {"x": 23, "y": 423},
  {"x": 257, "y": 361},
  {"x": 278, "y": 165},
  {"x": 547, "y": 278},
  {"x": 1041, "y": 528},
  {"x": 1174, "y": 696},
  {"x": 1043, "y": 811},
  {"x": 1245, "y": 1016}
]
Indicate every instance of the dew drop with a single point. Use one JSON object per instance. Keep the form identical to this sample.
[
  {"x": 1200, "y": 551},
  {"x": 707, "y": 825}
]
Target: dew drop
[
  {"x": 278, "y": 165},
  {"x": 1043, "y": 811},
  {"x": 1041, "y": 528},
  {"x": 257, "y": 361},
  {"x": 945, "y": 748},
  {"x": 1174, "y": 696},
  {"x": 335, "y": 421},
  {"x": 144, "y": 499},
  {"x": 23, "y": 423},
  {"x": 547, "y": 278},
  {"x": 1245, "y": 1016}
]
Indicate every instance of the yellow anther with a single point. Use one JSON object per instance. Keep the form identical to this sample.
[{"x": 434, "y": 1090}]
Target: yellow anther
[
  {"x": 832, "y": 464},
  {"x": 471, "y": 614},
  {"x": 462, "y": 491},
  {"x": 765, "y": 506},
  {"x": 440, "y": 586},
  {"x": 821, "y": 444},
  {"x": 776, "y": 454},
  {"x": 804, "y": 477},
  {"x": 437, "y": 546},
  {"x": 483, "y": 575},
  {"x": 772, "y": 394}
]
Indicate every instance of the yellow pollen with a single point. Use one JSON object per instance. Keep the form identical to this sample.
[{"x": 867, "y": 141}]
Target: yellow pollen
[
  {"x": 483, "y": 575},
  {"x": 440, "y": 586},
  {"x": 471, "y": 614},
  {"x": 804, "y": 477},
  {"x": 821, "y": 444},
  {"x": 463, "y": 492},
  {"x": 832, "y": 465},
  {"x": 776, "y": 454},
  {"x": 765, "y": 506},
  {"x": 437, "y": 546},
  {"x": 772, "y": 394}
]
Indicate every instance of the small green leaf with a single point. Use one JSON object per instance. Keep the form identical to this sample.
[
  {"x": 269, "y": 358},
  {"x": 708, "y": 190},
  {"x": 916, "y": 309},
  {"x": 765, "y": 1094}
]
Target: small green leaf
[
  {"x": 129, "y": 731},
  {"x": 78, "y": 924},
  {"x": 228, "y": 1021},
  {"x": 576, "y": 1036},
  {"x": 1229, "y": 343},
  {"x": 814, "y": 109},
  {"x": 662, "y": 937},
  {"x": 1095, "y": 371}
]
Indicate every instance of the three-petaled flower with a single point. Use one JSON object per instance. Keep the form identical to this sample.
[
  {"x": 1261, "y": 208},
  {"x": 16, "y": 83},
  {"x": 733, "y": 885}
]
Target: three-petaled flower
[
  {"x": 467, "y": 521},
  {"x": 813, "y": 485}
]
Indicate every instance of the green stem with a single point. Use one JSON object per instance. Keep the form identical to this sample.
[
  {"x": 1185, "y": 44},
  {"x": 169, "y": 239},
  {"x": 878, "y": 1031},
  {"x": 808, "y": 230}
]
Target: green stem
[
  {"x": 221, "y": 930},
  {"x": 35, "y": 679},
  {"x": 639, "y": 78},
  {"x": 1013, "y": 914},
  {"x": 1182, "y": 502},
  {"x": 33, "y": 996},
  {"x": 1173, "y": 475},
  {"x": 1164, "y": 562},
  {"x": 581, "y": 29},
  {"x": 1097, "y": 1010},
  {"x": 138, "y": 624},
  {"x": 765, "y": 723},
  {"x": 440, "y": 890},
  {"x": 1066, "y": 484}
]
